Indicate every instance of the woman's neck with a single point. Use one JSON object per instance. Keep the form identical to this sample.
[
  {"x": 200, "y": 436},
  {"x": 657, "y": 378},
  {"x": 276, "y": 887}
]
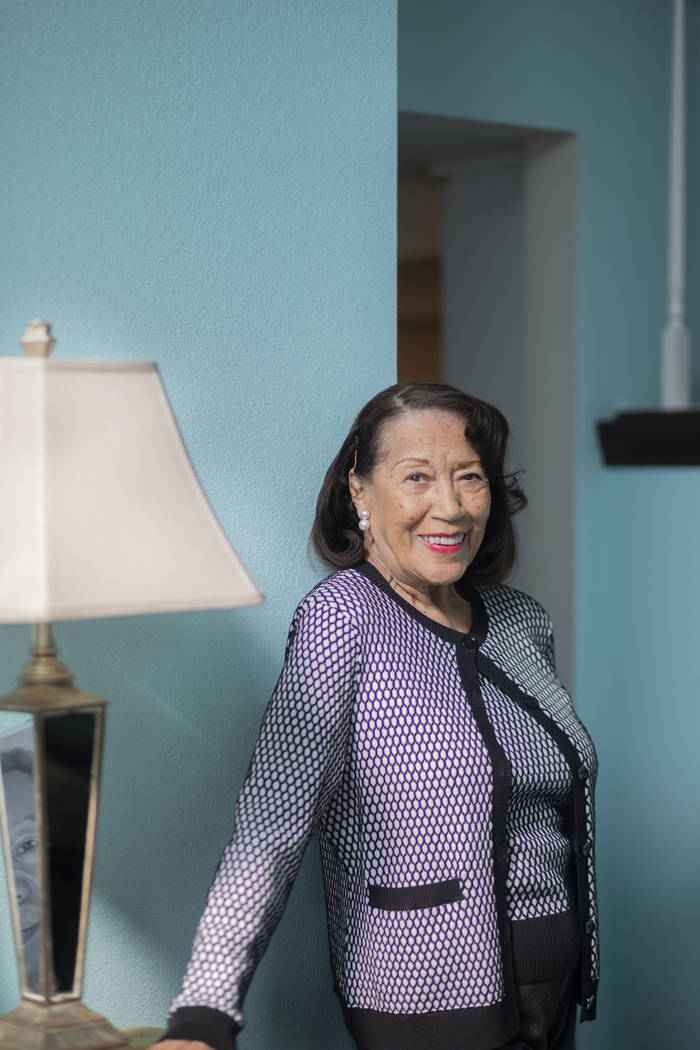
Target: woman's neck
[{"x": 439, "y": 602}]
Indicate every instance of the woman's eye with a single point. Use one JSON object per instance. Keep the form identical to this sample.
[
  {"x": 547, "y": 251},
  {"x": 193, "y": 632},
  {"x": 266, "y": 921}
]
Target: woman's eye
[
  {"x": 25, "y": 846},
  {"x": 416, "y": 477},
  {"x": 473, "y": 479}
]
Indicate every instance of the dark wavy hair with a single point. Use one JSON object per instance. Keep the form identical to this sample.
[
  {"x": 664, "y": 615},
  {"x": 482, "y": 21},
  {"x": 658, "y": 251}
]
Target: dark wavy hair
[{"x": 335, "y": 535}]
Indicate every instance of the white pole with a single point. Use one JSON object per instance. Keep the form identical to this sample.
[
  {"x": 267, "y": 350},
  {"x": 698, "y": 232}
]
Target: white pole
[{"x": 675, "y": 341}]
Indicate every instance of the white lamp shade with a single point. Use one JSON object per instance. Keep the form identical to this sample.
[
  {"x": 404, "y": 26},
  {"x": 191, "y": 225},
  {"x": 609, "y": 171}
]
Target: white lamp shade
[{"x": 101, "y": 513}]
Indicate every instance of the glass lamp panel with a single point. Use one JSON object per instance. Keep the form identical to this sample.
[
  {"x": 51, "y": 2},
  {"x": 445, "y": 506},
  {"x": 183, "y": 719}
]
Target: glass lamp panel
[
  {"x": 70, "y": 746},
  {"x": 21, "y": 841}
]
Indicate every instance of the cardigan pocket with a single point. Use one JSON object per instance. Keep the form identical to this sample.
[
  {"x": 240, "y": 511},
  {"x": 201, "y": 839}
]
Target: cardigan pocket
[{"x": 411, "y": 898}]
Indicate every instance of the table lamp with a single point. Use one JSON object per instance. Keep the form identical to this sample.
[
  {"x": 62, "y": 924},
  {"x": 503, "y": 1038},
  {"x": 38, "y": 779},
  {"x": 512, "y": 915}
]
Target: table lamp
[{"x": 101, "y": 514}]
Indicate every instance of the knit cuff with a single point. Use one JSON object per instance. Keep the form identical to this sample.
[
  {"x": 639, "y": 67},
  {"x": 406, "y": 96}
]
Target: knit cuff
[{"x": 203, "y": 1024}]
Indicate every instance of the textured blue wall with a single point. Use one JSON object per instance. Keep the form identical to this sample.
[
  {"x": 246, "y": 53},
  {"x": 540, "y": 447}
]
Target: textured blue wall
[
  {"x": 600, "y": 69},
  {"x": 211, "y": 185}
]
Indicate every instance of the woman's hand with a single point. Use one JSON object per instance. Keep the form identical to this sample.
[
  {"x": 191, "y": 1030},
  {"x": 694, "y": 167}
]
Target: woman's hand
[{"x": 181, "y": 1044}]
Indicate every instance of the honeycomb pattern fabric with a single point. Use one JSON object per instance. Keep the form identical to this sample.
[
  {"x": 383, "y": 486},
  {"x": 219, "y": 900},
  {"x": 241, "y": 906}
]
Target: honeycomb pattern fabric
[
  {"x": 521, "y": 643},
  {"x": 418, "y": 765},
  {"x": 539, "y": 848},
  {"x": 372, "y": 739}
]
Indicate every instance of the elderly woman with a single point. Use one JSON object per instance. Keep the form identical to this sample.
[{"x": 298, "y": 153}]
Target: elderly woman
[{"x": 420, "y": 727}]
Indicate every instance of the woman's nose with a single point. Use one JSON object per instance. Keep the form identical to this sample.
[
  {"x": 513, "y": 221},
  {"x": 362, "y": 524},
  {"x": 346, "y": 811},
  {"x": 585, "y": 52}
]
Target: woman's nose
[
  {"x": 447, "y": 503},
  {"x": 23, "y": 887}
]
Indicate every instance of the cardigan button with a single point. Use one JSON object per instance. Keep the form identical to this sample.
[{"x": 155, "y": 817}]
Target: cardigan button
[
  {"x": 590, "y": 1001},
  {"x": 582, "y": 772},
  {"x": 587, "y": 848},
  {"x": 471, "y": 641},
  {"x": 531, "y": 702},
  {"x": 590, "y": 926}
]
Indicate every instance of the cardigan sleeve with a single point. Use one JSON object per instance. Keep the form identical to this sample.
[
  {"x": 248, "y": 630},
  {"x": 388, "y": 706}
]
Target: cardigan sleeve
[{"x": 297, "y": 765}]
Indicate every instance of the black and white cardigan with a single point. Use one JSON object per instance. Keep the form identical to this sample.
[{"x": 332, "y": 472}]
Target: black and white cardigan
[{"x": 408, "y": 746}]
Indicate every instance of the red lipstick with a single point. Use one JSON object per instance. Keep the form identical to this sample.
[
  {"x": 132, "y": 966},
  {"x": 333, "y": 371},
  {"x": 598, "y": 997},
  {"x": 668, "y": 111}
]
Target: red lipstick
[{"x": 444, "y": 547}]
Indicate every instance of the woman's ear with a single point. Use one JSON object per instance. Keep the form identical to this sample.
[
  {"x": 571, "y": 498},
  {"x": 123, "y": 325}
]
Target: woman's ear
[{"x": 356, "y": 489}]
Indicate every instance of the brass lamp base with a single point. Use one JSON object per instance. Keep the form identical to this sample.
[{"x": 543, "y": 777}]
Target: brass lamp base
[
  {"x": 65, "y": 771},
  {"x": 58, "y": 1026}
]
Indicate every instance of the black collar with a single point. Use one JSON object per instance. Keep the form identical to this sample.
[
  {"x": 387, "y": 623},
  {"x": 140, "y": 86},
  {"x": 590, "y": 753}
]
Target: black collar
[{"x": 480, "y": 620}]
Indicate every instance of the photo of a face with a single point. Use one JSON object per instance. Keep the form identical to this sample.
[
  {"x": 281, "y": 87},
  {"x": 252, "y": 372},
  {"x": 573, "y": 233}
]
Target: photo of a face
[{"x": 17, "y": 766}]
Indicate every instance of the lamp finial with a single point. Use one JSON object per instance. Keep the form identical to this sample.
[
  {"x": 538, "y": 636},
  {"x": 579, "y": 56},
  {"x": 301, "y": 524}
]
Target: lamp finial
[{"x": 37, "y": 339}]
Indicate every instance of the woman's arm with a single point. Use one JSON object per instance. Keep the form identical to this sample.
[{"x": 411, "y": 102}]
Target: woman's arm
[{"x": 296, "y": 767}]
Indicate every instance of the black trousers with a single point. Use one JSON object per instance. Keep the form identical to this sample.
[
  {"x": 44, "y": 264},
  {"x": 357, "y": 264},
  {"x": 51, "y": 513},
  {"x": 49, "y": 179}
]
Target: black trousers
[{"x": 547, "y": 1016}]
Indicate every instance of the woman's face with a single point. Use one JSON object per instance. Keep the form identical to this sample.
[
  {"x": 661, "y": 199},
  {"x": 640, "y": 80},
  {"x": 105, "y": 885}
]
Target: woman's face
[
  {"x": 428, "y": 499},
  {"x": 19, "y": 795}
]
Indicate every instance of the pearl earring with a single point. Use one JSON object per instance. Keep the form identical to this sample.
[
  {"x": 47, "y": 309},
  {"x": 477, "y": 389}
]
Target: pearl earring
[{"x": 363, "y": 523}]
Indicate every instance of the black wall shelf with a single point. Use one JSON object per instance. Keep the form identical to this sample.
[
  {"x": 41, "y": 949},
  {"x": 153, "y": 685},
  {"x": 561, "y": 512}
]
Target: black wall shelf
[{"x": 652, "y": 439}]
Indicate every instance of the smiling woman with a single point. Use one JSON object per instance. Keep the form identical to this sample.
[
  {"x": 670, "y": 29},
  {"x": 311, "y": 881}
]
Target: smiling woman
[
  {"x": 427, "y": 503},
  {"x": 481, "y": 433},
  {"x": 420, "y": 728}
]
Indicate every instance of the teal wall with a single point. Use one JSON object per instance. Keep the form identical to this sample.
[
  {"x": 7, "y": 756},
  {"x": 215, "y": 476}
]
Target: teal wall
[
  {"x": 210, "y": 184},
  {"x": 600, "y": 69}
]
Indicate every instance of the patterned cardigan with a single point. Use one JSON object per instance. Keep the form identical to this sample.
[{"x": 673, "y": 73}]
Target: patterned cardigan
[{"x": 379, "y": 738}]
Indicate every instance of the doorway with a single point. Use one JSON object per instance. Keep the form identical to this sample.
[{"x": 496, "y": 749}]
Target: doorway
[{"x": 486, "y": 276}]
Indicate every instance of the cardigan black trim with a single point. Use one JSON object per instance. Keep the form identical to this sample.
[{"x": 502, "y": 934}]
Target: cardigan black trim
[
  {"x": 502, "y": 786},
  {"x": 410, "y": 898},
  {"x": 480, "y": 621},
  {"x": 203, "y": 1024},
  {"x": 588, "y": 987},
  {"x": 446, "y": 1029}
]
